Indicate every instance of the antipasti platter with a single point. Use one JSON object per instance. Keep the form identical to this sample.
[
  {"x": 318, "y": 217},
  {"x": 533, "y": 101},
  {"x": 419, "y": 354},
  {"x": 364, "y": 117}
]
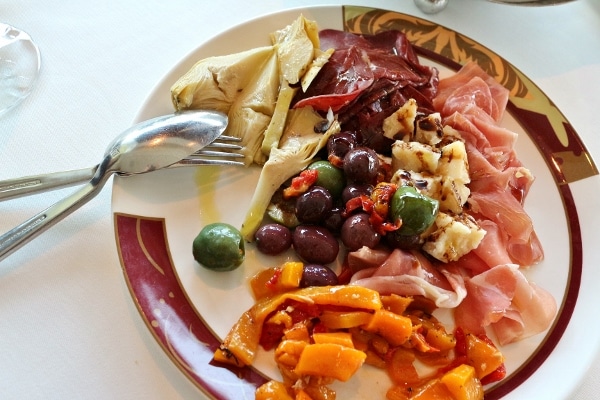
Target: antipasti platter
[{"x": 189, "y": 310}]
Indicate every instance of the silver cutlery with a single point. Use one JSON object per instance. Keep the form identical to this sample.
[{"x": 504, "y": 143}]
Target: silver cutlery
[{"x": 148, "y": 146}]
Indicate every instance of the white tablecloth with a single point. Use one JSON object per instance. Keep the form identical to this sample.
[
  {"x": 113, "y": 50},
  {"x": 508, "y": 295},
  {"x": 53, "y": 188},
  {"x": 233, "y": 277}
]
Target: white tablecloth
[{"x": 68, "y": 326}]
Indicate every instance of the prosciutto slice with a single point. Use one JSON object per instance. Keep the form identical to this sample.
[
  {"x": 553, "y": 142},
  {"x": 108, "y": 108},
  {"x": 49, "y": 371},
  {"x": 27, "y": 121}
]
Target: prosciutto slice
[
  {"x": 472, "y": 103},
  {"x": 411, "y": 274},
  {"x": 466, "y": 87},
  {"x": 504, "y": 299}
]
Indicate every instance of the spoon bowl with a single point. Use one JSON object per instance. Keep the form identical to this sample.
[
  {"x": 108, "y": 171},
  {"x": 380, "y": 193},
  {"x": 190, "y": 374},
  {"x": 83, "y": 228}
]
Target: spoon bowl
[
  {"x": 148, "y": 146},
  {"x": 160, "y": 142}
]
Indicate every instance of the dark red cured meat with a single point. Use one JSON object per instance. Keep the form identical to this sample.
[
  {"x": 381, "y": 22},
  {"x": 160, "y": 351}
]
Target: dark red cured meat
[{"x": 367, "y": 78}]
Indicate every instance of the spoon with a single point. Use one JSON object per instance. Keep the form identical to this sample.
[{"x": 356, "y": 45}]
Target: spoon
[{"x": 147, "y": 146}]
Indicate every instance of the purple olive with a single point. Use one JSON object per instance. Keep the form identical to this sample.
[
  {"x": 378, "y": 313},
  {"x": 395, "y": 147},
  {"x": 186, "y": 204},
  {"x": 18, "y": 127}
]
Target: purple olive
[
  {"x": 273, "y": 239},
  {"x": 315, "y": 244},
  {"x": 318, "y": 275},
  {"x": 314, "y": 205},
  {"x": 357, "y": 232},
  {"x": 361, "y": 165}
]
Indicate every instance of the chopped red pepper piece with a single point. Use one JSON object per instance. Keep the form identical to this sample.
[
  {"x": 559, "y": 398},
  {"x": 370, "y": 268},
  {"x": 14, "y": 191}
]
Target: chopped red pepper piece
[
  {"x": 356, "y": 203},
  {"x": 272, "y": 282},
  {"x": 301, "y": 183},
  {"x": 497, "y": 375}
]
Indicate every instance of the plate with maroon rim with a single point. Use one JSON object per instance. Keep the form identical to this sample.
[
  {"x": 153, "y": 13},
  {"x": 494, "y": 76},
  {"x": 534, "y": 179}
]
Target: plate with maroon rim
[{"x": 189, "y": 309}]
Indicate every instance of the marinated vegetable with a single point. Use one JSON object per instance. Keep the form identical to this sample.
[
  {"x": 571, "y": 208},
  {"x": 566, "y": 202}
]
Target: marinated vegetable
[
  {"x": 219, "y": 247},
  {"x": 298, "y": 146},
  {"x": 416, "y": 211},
  {"x": 321, "y": 334},
  {"x": 253, "y": 87},
  {"x": 273, "y": 239}
]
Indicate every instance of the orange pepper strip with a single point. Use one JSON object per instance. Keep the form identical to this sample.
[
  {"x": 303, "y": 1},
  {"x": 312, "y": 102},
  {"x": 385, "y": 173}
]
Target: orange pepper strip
[
  {"x": 330, "y": 360},
  {"x": 396, "y": 329},
  {"x": 240, "y": 344},
  {"x": 272, "y": 390}
]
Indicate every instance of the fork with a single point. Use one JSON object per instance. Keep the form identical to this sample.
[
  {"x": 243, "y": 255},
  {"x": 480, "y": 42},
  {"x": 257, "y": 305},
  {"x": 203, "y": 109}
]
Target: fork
[{"x": 222, "y": 151}]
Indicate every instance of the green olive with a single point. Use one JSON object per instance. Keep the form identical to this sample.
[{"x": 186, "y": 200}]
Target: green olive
[
  {"x": 282, "y": 210},
  {"x": 416, "y": 210},
  {"x": 219, "y": 247},
  {"x": 330, "y": 177}
]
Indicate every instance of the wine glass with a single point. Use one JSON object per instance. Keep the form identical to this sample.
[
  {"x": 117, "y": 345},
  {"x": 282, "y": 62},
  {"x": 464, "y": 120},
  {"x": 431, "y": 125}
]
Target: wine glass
[
  {"x": 19, "y": 66},
  {"x": 431, "y": 6},
  {"x": 435, "y": 6}
]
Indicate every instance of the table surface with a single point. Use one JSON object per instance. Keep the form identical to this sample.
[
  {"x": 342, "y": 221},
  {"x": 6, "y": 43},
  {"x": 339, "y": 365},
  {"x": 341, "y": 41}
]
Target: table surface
[{"x": 68, "y": 326}]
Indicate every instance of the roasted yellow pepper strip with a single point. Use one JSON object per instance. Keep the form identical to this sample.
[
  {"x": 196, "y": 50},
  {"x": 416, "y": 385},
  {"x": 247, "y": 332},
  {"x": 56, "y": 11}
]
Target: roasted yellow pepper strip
[
  {"x": 240, "y": 344},
  {"x": 330, "y": 360}
]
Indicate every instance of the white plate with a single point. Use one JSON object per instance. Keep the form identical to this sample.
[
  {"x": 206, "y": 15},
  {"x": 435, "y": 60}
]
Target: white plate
[{"x": 189, "y": 309}]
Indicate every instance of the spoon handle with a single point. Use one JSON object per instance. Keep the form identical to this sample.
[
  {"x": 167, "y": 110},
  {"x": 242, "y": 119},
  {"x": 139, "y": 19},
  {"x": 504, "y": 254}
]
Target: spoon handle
[
  {"x": 12, "y": 188},
  {"x": 34, "y": 226}
]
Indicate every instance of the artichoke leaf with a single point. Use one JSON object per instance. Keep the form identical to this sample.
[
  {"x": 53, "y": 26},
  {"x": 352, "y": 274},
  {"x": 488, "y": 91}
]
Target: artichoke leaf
[
  {"x": 252, "y": 111},
  {"x": 214, "y": 83},
  {"x": 248, "y": 124},
  {"x": 321, "y": 57},
  {"x": 274, "y": 131},
  {"x": 295, "y": 45},
  {"x": 298, "y": 145}
]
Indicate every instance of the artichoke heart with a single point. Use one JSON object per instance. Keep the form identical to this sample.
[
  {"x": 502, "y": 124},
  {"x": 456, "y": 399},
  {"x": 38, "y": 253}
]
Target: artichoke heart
[
  {"x": 248, "y": 85},
  {"x": 296, "y": 44},
  {"x": 252, "y": 110},
  {"x": 214, "y": 83},
  {"x": 299, "y": 144}
]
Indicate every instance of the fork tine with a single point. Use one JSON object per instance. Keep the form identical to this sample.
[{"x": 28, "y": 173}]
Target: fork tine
[
  {"x": 186, "y": 162},
  {"x": 227, "y": 146},
  {"x": 227, "y": 138},
  {"x": 222, "y": 151},
  {"x": 212, "y": 153},
  {"x": 219, "y": 145}
]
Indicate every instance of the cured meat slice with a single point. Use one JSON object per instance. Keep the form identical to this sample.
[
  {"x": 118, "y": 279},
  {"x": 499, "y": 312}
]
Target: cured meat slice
[
  {"x": 499, "y": 155},
  {"x": 340, "y": 81},
  {"x": 492, "y": 249},
  {"x": 504, "y": 299},
  {"x": 507, "y": 212},
  {"x": 459, "y": 81},
  {"x": 367, "y": 78},
  {"x": 366, "y": 257},
  {"x": 411, "y": 274},
  {"x": 517, "y": 180},
  {"x": 466, "y": 99}
]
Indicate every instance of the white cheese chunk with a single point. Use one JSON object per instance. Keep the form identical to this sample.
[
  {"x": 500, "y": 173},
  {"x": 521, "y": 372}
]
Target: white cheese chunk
[
  {"x": 402, "y": 122},
  {"x": 453, "y": 162},
  {"x": 428, "y": 129},
  {"x": 414, "y": 156},
  {"x": 454, "y": 236}
]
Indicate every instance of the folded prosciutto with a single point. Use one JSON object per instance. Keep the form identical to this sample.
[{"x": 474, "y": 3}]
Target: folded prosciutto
[
  {"x": 505, "y": 300},
  {"x": 472, "y": 103},
  {"x": 410, "y": 274}
]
